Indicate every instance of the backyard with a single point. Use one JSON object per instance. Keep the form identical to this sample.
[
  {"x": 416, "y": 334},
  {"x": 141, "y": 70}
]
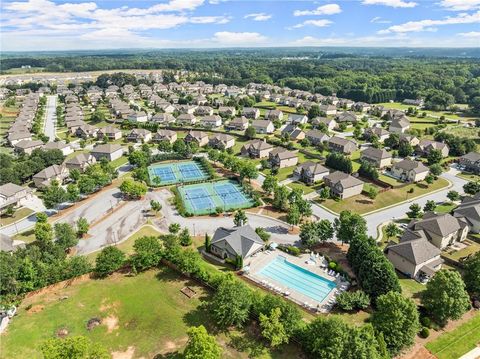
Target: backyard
[
  {"x": 362, "y": 204},
  {"x": 19, "y": 214},
  {"x": 126, "y": 325}
]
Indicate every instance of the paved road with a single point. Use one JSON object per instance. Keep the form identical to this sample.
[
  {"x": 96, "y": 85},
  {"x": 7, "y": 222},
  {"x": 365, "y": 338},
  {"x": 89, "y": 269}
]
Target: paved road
[{"x": 50, "y": 118}]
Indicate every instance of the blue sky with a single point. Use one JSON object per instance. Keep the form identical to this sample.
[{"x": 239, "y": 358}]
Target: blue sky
[{"x": 83, "y": 24}]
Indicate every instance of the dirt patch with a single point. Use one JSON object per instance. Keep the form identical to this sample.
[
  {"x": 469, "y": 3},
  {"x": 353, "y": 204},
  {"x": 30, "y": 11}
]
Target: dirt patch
[
  {"x": 107, "y": 306},
  {"x": 418, "y": 352},
  {"x": 92, "y": 323},
  {"x": 172, "y": 346},
  {"x": 35, "y": 309},
  {"x": 127, "y": 354},
  {"x": 111, "y": 322},
  {"x": 62, "y": 332}
]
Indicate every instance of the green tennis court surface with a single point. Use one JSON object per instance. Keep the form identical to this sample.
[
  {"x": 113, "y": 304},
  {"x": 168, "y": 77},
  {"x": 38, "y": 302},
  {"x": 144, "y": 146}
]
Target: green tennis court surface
[
  {"x": 176, "y": 172},
  {"x": 204, "y": 198}
]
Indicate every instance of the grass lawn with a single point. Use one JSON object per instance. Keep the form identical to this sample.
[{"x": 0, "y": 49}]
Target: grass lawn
[
  {"x": 306, "y": 189},
  {"x": 452, "y": 345},
  {"x": 18, "y": 215},
  {"x": 469, "y": 176},
  {"x": 283, "y": 173},
  {"x": 445, "y": 207},
  {"x": 265, "y": 104},
  {"x": 362, "y": 204},
  {"x": 410, "y": 287},
  {"x": 27, "y": 236},
  {"x": 390, "y": 180},
  {"x": 472, "y": 247},
  {"x": 127, "y": 245},
  {"x": 421, "y": 126},
  {"x": 146, "y": 312},
  {"x": 469, "y": 132},
  {"x": 119, "y": 161}
]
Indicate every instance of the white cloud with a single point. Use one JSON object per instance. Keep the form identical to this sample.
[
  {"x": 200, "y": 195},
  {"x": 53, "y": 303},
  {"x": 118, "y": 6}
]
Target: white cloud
[
  {"x": 329, "y": 9},
  {"x": 427, "y": 25},
  {"x": 379, "y": 20},
  {"x": 316, "y": 23},
  {"x": 391, "y": 3},
  {"x": 471, "y": 34},
  {"x": 460, "y": 5},
  {"x": 258, "y": 16},
  {"x": 239, "y": 38}
]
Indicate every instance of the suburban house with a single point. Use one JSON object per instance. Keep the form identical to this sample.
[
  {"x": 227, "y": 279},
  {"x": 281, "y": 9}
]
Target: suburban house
[
  {"x": 203, "y": 111},
  {"x": 11, "y": 194},
  {"x": 471, "y": 161},
  {"x": 138, "y": 116},
  {"x": 263, "y": 126},
  {"x": 441, "y": 229},
  {"x": 26, "y": 146},
  {"x": 109, "y": 151},
  {"x": 251, "y": 112},
  {"x": 186, "y": 119},
  {"x": 417, "y": 258},
  {"x": 59, "y": 145},
  {"x": 280, "y": 157},
  {"x": 399, "y": 125},
  {"x": 164, "y": 118},
  {"x": 47, "y": 175},
  {"x": 412, "y": 140},
  {"x": 315, "y": 137},
  {"x": 343, "y": 185},
  {"x": 361, "y": 106},
  {"x": 329, "y": 122},
  {"x": 80, "y": 162},
  {"x": 425, "y": 146},
  {"x": 297, "y": 119},
  {"x": 294, "y": 133},
  {"x": 310, "y": 172},
  {"x": 273, "y": 115},
  {"x": 380, "y": 158},
  {"x": 86, "y": 131},
  {"x": 17, "y": 136},
  {"x": 346, "y": 116},
  {"x": 112, "y": 133},
  {"x": 410, "y": 171},
  {"x": 226, "y": 111},
  {"x": 139, "y": 135},
  {"x": 165, "y": 135},
  {"x": 221, "y": 141},
  {"x": 256, "y": 149},
  {"x": 342, "y": 145},
  {"x": 237, "y": 241},
  {"x": 379, "y": 132},
  {"x": 211, "y": 121},
  {"x": 469, "y": 211},
  {"x": 238, "y": 124},
  {"x": 328, "y": 109},
  {"x": 198, "y": 136}
]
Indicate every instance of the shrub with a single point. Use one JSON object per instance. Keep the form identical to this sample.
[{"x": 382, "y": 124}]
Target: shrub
[
  {"x": 426, "y": 322},
  {"x": 353, "y": 300},
  {"x": 294, "y": 251},
  {"x": 332, "y": 265},
  {"x": 424, "y": 332}
]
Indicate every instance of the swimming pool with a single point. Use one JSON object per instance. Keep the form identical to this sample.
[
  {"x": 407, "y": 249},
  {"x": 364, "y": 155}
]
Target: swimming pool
[{"x": 297, "y": 278}]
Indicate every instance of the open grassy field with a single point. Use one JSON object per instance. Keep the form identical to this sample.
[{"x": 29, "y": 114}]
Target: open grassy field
[
  {"x": 146, "y": 314},
  {"x": 18, "y": 215},
  {"x": 447, "y": 114},
  {"x": 362, "y": 204},
  {"x": 453, "y": 344},
  {"x": 468, "y": 132}
]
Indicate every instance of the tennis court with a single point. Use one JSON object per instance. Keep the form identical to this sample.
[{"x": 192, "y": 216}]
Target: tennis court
[
  {"x": 176, "y": 172},
  {"x": 204, "y": 198}
]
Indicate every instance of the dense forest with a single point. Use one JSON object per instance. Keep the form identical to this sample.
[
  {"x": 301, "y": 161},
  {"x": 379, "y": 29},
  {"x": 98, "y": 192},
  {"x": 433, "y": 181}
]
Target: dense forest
[{"x": 371, "y": 78}]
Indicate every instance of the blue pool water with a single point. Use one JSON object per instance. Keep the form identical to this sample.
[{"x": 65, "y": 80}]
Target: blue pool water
[{"x": 297, "y": 279}]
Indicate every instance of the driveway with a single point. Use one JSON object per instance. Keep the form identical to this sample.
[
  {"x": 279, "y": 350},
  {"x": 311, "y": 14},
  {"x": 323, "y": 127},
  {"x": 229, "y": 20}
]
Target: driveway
[{"x": 50, "y": 118}]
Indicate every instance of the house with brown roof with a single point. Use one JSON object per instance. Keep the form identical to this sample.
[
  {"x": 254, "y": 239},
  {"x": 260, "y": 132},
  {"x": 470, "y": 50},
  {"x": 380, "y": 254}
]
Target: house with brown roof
[
  {"x": 378, "y": 132},
  {"x": 212, "y": 121},
  {"x": 17, "y": 136},
  {"x": 378, "y": 157},
  {"x": 53, "y": 173},
  {"x": 330, "y": 123},
  {"x": 342, "y": 145},
  {"x": 328, "y": 109},
  {"x": 410, "y": 171},
  {"x": 238, "y": 124},
  {"x": 221, "y": 141},
  {"x": 310, "y": 172},
  {"x": 138, "y": 116},
  {"x": 186, "y": 119},
  {"x": 163, "y": 118},
  {"x": 203, "y": 111},
  {"x": 399, "y": 125},
  {"x": 256, "y": 149},
  {"x": 251, "y": 112},
  {"x": 273, "y": 115},
  {"x": 111, "y": 152},
  {"x": 424, "y": 147},
  {"x": 343, "y": 185},
  {"x": 140, "y": 135},
  {"x": 412, "y": 140},
  {"x": 165, "y": 135},
  {"x": 200, "y": 137},
  {"x": 27, "y": 146},
  {"x": 111, "y": 132},
  {"x": 471, "y": 162},
  {"x": 12, "y": 194},
  {"x": 66, "y": 148},
  {"x": 227, "y": 111},
  {"x": 347, "y": 117},
  {"x": 80, "y": 162},
  {"x": 86, "y": 131},
  {"x": 293, "y": 132},
  {"x": 280, "y": 157},
  {"x": 469, "y": 211}
]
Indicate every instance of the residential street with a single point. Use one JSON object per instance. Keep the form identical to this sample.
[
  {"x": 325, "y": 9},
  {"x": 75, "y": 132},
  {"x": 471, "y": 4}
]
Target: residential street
[{"x": 50, "y": 118}]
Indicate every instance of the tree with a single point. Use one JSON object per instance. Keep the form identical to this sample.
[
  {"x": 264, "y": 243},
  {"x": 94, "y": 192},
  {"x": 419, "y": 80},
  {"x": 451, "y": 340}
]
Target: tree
[
  {"x": 42, "y": 217},
  {"x": 43, "y": 233},
  {"x": 263, "y": 234},
  {"x": 250, "y": 133},
  {"x": 471, "y": 274},
  {"x": 280, "y": 198},
  {"x": 133, "y": 189},
  {"x": 231, "y": 303},
  {"x": 147, "y": 252},
  {"x": 325, "y": 337},
  {"x": 73, "y": 192},
  {"x": 270, "y": 183},
  {"x": 174, "y": 228},
  {"x": 430, "y": 206},
  {"x": 185, "y": 238},
  {"x": 240, "y": 218},
  {"x": 472, "y": 187},
  {"x": 155, "y": 206},
  {"x": 272, "y": 328},
  {"x": 353, "y": 300},
  {"x": 392, "y": 230},
  {"x": 76, "y": 347},
  {"x": 66, "y": 235},
  {"x": 405, "y": 149},
  {"x": 429, "y": 179},
  {"x": 453, "y": 196},
  {"x": 248, "y": 169},
  {"x": 9, "y": 211},
  {"x": 368, "y": 170},
  {"x": 445, "y": 297},
  {"x": 397, "y": 318},
  {"x": 201, "y": 345},
  {"x": 293, "y": 215},
  {"x": 372, "y": 192},
  {"x": 436, "y": 169},
  {"x": 415, "y": 211},
  {"x": 325, "y": 193},
  {"x": 207, "y": 243},
  {"x": 314, "y": 111},
  {"x": 349, "y": 225},
  {"x": 109, "y": 260},
  {"x": 53, "y": 195},
  {"x": 82, "y": 226},
  {"x": 139, "y": 158},
  {"x": 434, "y": 156}
]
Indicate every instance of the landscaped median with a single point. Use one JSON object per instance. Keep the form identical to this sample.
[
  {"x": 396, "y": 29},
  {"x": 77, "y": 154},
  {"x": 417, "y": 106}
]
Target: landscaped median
[{"x": 362, "y": 204}]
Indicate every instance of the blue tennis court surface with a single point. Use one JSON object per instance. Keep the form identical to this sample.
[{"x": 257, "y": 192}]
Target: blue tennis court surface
[{"x": 176, "y": 172}]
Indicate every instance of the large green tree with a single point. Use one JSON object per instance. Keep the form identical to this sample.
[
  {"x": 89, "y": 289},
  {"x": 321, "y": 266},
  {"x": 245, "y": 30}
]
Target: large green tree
[
  {"x": 471, "y": 274},
  {"x": 201, "y": 345},
  {"x": 349, "y": 225},
  {"x": 76, "y": 347}
]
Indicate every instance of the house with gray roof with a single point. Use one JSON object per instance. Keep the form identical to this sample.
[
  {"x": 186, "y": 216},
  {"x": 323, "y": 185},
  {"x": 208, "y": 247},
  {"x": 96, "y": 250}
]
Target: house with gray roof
[
  {"x": 469, "y": 211},
  {"x": 342, "y": 145},
  {"x": 45, "y": 177},
  {"x": 274, "y": 115},
  {"x": 200, "y": 137},
  {"x": 409, "y": 170},
  {"x": 237, "y": 241},
  {"x": 346, "y": 116},
  {"x": 263, "y": 126},
  {"x": 294, "y": 133},
  {"x": 80, "y": 162},
  {"x": 165, "y": 135},
  {"x": 471, "y": 161},
  {"x": 297, "y": 119},
  {"x": 310, "y": 172},
  {"x": 251, "y": 112},
  {"x": 378, "y": 157},
  {"x": 221, "y": 141},
  {"x": 8, "y": 244},
  {"x": 111, "y": 152},
  {"x": 66, "y": 148},
  {"x": 343, "y": 185},
  {"x": 425, "y": 146},
  {"x": 11, "y": 194},
  {"x": 256, "y": 149},
  {"x": 27, "y": 146},
  {"x": 399, "y": 124},
  {"x": 280, "y": 157},
  {"x": 238, "y": 124},
  {"x": 316, "y": 137}
]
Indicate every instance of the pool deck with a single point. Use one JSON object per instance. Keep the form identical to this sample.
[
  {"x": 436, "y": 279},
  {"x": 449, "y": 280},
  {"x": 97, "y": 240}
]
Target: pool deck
[{"x": 262, "y": 259}]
